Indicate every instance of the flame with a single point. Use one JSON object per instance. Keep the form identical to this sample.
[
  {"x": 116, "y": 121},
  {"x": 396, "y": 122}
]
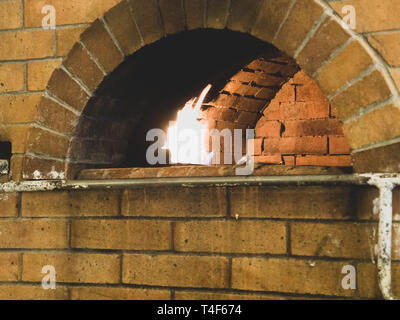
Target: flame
[{"x": 187, "y": 137}]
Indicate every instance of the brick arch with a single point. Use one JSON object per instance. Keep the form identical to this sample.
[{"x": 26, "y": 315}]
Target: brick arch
[{"x": 352, "y": 76}]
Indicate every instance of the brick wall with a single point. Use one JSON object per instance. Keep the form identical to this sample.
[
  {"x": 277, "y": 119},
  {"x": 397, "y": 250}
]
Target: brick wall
[
  {"x": 192, "y": 243},
  {"x": 298, "y": 128}
]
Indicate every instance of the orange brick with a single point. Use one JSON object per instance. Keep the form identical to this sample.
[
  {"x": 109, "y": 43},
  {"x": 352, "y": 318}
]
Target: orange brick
[
  {"x": 268, "y": 129},
  {"x": 271, "y": 159},
  {"x": 66, "y": 38},
  {"x": 32, "y": 292},
  {"x": 175, "y": 202},
  {"x": 18, "y": 108},
  {"x": 33, "y": 234},
  {"x": 311, "y": 127},
  {"x": 338, "y": 145},
  {"x": 39, "y": 73},
  {"x": 73, "y": 267},
  {"x": 296, "y": 145},
  {"x": 121, "y": 234},
  {"x": 73, "y": 203},
  {"x": 9, "y": 266},
  {"x": 12, "y": 76},
  {"x": 306, "y": 276},
  {"x": 26, "y": 44},
  {"x": 8, "y": 204},
  {"x": 258, "y": 145},
  {"x": 10, "y": 14},
  {"x": 100, "y": 293},
  {"x": 231, "y": 236},
  {"x": 175, "y": 270},
  {"x": 68, "y": 12}
]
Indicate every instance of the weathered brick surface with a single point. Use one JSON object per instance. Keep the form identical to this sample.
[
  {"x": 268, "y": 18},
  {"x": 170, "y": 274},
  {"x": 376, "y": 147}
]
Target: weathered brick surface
[
  {"x": 121, "y": 234},
  {"x": 34, "y": 234},
  {"x": 10, "y": 14},
  {"x": 8, "y": 204},
  {"x": 173, "y": 17},
  {"x": 31, "y": 44},
  {"x": 206, "y": 295},
  {"x": 382, "y": 159},
  {"x": 9, "y": 266},
  {"x": 316, "y": 202},
  {"x": 11, "y": 77},
  {"x": 45, "y": 142},
  {"x": 98, "y": 41},
  {"x": 100, "y": 293},
  {"x": 39, "y": 73},
  {"x": 124, "y": 28},
  {"x": 329, "y": 36},
  {"x": 378, "y": 125},
  {"x": 307, "y": 276},
  {"x": 32, "y": 292},
  {"x": 217, "y": 13},
  {"x": 17, "y": 135},
  {"x": 18, "y": 108},
  {"x": 195, "y": 13},
  {"x": 243, "y": 14},
  {"x": 327, "y": 160},
  {"x": 175, "y": 270},
  {"x": 231, "y": 236},
  {"x": 148, "y": 18},
  {"x": 175, "y": 202},
  {"x": 73, "y": 267},
  {"x": 338, "y": 145},
  {"x": 352, "y": 60},
  {"x": 68, "y": 12},
  {"x": 370, "y": 89},
  {"x": 73, "y": 203},
  {"x": 301, "y": 19}
]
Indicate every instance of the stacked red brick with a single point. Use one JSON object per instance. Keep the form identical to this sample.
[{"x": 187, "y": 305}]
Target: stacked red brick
[{"x": 297, "y": 128}]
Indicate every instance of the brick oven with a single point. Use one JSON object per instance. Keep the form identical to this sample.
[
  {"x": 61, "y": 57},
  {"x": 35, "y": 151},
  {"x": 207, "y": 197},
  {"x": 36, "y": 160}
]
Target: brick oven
[{"x": 79, "y": 195}]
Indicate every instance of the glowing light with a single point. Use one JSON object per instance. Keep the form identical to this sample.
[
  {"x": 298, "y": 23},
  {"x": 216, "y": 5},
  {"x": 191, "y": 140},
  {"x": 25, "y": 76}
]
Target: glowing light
[{"x": 187, "y": 137}]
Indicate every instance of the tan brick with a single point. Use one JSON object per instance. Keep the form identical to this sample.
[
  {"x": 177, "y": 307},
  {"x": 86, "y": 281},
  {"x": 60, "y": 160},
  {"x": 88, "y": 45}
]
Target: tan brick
[
  {"x": 32, "y": 292},
  {"x": 341, "y": 240},
  {"x": 9, "y": 266},
  {"x": 327, "y": 160},
  {"x": 148, "y": 19},
  {"x": 206, "y": 295},
  {"x": 344, "y": 67},
  {"x": 62, "y": 85},
  {"x": 271, "y": 15},
  {"x": 195, "y": 13},
  {"x": 395, "y": 72},
  {"x": 73, "y": 267},
  {"x": 18, "y": 108},
  {"x": 8, "y": 204},
  {"x": 378, "y": 125},
  {"x": 217, "y": 13},
  {"x": 10, "y": 14},
  {"x": 316, "y": 202},
  {"x": 370, "y": 89},
  {"x": 243, "y": 14},
  {"x": 73, "y": 203},
  {"x": 66, "y": 38},
  {"x": 12, "y": 76},
  {"x": 301, "y": 19},
  {"x": 68, "y": 12},
  {"x": 175, "y": 270},
  {"x": 231, "y": 236},
  {"x": 34, "y": 168},
  {"x": 99, "y": 293},
  {"x": 26, "y": 44},
  {"x": 124, "y": 28},
  {"x": 98, "y": 41},
  {"x": 306, "y": 276},
  {"x": 121, "y": 234},
  {"x": 367, "y": 280},
  {"x": 45, "y": 142},
  {"x": 175, "y": 202},
  {"x": 372, "y": 15},
  {"x": 33, "y": 234},
  {"x": 172, "y": 13},
  {"x": 383, "y": 159},
  {"x": 17, "y": 135},
  {"x": 54, "y": 116},
  {"x": 39, "y": 73},
  {"x": 81, "y": 65},
  {"x": 388, "y": 45},
  {"x": 329, "y": 37}
]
